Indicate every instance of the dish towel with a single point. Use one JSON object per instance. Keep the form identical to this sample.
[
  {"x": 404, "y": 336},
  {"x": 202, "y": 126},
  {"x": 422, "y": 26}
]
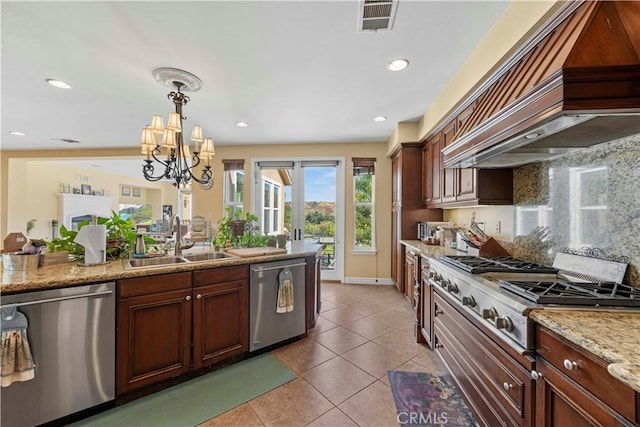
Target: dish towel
[
  {"x": 17, "y": 361},
  {"x": 285, "y": 291}
]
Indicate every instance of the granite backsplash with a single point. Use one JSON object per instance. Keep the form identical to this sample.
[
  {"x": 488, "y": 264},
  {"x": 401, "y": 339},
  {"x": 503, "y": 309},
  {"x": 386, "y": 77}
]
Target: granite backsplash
[{"x": 588, "y": 199}]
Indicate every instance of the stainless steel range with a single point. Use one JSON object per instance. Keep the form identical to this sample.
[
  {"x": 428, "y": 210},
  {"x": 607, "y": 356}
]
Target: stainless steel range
[{"x": 500, "y": 291}]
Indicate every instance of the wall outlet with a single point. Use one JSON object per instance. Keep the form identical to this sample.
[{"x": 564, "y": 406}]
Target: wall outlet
[{"x": 499, "y": 227}]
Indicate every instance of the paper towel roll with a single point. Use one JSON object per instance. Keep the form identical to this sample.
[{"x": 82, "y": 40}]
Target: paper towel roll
[{"x": 94, "y": 240}]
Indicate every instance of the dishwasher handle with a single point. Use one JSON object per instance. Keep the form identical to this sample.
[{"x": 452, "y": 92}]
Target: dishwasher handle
[
  {"x": 280, "y": 267},
  {"x": 47, "y": 300}
]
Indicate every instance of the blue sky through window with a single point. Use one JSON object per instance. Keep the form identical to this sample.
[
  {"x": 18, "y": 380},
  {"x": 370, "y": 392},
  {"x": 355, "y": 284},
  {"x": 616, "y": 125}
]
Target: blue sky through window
[{"x": 319, "y": 185}]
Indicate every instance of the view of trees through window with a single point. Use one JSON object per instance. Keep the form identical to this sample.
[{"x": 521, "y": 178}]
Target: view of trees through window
[
  {"x": 363, "y": 196},
  {"x": 139, "y": 214}
]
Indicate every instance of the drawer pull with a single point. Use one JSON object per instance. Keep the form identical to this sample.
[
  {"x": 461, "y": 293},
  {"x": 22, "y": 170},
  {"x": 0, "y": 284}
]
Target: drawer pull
[
  {"x": 570, "y": 365},
  {"x": 506, "y": 386},
  {"x": 536, "y": 375}
]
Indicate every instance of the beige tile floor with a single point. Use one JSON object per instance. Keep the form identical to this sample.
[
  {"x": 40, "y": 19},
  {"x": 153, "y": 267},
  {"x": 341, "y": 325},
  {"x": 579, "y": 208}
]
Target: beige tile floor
[{"x": 341, "y": 368}]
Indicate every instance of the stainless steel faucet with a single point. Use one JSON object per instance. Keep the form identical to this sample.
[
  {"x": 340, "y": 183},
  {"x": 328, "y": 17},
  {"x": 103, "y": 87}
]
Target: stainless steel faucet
[{"x": 179, "y": 245}]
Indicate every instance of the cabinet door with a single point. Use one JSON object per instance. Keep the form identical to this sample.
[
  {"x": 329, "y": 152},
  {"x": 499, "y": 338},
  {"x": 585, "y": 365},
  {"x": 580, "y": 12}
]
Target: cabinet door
[
  {"x": 409, "y": 272},
  {"x": 153, "y": 338},
  {"x": 427, "y": 175},
  {"x": 560, "y": 402},
  {"x": 449, "y": 176},
  {"x": 426, "y": 307},
  {"x": 396, "y": 180},
  {"x": 435, "y": 162},
  {"x": 220, "y": 322},
  {"x": 313, "y": 293},
  {"x": 466, "y": 184}
]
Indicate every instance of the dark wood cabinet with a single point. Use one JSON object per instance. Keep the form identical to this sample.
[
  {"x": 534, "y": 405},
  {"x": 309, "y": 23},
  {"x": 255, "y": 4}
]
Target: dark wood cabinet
[
  {"x": 154, "y": 330},
  {"x": 494, "y": 377},
  {"x": 460, "y": 187},
  {"x": 171, "y": 324},
  {"x": 220, "y": 314},
  {"x": 410, "y": 274},
  {"x": 426, "y": 307},
  {"x": 449, "y": 177},
  {"x": 573, "y": 387},
  {"x": 407, "y": 206}
]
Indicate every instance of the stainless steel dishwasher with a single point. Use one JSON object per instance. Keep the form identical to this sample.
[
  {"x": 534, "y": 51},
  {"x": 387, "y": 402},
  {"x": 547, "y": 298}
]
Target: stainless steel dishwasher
[
  {"x": 72, "y": 337},
  {"x": 266, "y": 326}
]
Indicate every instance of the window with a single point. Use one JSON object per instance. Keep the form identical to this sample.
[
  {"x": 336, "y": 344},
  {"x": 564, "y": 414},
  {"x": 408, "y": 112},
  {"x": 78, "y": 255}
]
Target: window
[
  {"x": 364, "y": 201},
  {"x": 271, "y": 207},
  {"x": 588, "y": 199},
  {"x": 233, "y": 184}
]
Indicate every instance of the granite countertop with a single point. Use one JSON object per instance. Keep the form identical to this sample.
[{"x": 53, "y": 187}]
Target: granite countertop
[
  {"x": 430, "y": 251},
  {"x": 74, "y": 274},
  {"x": 614, "y": 336}
]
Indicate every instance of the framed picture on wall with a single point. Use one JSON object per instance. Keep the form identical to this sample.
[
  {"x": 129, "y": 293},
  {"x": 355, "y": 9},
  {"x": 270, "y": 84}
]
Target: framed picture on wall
[
  {"x": 86, "y": 189},
  {"x": 167, "y": 212},
  {"x": 126, "y": 191},
  {"x": 136, "y": 191}
]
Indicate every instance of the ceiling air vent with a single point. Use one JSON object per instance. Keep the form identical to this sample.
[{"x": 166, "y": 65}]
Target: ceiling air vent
[{"x": 377, "y": 14}]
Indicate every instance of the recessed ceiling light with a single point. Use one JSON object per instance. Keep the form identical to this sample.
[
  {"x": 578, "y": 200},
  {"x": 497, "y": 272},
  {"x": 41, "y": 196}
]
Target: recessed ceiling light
[
  {"x": 242, "y": 124},
  {"x": 15, "y": 132},
  {"x": 59, "y": 84},
  {"x": 379, "y": 119},
  {"x": 398, "y": 64}
]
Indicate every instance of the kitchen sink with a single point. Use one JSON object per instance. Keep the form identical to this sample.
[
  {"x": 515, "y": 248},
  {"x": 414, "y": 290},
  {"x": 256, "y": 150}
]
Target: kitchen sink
[
  {"x": 164, "y": 261},
  {"x": 153, "y": 262},
  {"x": 207, "y": 256}
]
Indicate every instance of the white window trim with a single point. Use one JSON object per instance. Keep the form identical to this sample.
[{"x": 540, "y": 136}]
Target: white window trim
[
  {"x": 372, "y": 204},
  {"x": 227, "y": 189},
  {"x": 272, "y": 208}
]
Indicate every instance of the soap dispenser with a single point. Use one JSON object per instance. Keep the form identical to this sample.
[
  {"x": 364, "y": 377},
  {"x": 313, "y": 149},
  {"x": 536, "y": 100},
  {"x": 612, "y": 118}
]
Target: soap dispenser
[{"x": 140, "y": 249}]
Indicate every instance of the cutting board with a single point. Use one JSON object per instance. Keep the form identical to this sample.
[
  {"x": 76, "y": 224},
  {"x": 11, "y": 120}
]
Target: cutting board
[{"x": 251, "y": 252}]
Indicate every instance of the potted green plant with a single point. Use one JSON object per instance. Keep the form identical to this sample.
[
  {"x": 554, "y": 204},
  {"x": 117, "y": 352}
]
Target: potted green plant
[
  {"x": 121, "y": 237},
  {"x": 239, "y": 229}
]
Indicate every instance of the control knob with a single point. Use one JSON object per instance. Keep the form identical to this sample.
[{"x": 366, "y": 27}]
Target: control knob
[
  {"x": 452, "y": 287},
  {"x": 489, "y": 313},
  {"x": 469, "y": 301},
  {"x": 504, "y": 322}
]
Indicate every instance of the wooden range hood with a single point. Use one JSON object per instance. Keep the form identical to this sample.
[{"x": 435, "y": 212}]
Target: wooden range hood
[{"x": 574, "y": 84}]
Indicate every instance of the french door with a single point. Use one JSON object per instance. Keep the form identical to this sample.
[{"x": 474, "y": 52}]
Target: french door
[{"x": 304, "y": 199}]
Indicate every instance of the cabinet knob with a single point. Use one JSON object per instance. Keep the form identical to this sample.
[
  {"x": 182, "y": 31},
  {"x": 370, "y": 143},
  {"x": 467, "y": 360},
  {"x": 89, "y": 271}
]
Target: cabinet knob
[
  {"x": 435, "y": 313},
  {"x": 506, "y": 386},
  {"x": 570, "y": 365},
  {"x": 438, "y": 345},
  {"x": 536, "y": 375},
  {"x": 188, "y": 298},
  {"x": 198, "y": 296}
]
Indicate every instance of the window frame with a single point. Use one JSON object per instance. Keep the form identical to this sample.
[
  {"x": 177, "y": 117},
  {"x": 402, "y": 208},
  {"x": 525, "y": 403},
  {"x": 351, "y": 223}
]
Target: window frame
[
  {"x": 274, "y": 209},
  {"x": 364, "y": 167},
  {"x": 235, "y": 205}
]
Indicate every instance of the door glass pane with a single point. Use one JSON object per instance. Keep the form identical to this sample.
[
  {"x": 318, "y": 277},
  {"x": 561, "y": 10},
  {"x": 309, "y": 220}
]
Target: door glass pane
[{"x": 320, "y": 210}]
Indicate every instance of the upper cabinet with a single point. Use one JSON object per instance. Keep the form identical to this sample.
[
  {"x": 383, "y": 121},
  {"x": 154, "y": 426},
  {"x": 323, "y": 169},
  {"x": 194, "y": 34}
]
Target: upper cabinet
[{"x": 449, "y": 187}]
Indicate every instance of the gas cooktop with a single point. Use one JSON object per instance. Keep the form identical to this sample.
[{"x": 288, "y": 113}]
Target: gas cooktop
[
  {"x": 575, "y": 293},
  {"x": 477, "y": 265}
]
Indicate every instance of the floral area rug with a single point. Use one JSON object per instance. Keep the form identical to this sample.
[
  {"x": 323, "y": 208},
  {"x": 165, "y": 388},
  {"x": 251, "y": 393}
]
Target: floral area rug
[{"x": 428, "y": 400}]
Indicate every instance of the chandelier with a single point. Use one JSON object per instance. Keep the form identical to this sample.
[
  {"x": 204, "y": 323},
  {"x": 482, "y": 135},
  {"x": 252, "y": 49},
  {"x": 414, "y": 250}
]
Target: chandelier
[{"x": 165, "y": 147}]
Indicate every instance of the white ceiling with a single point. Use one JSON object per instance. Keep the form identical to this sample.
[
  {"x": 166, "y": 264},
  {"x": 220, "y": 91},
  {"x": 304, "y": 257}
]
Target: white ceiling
[{"x": 296, "y": 71}]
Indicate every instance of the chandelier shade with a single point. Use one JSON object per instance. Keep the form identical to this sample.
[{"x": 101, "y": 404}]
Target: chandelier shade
[{"x": 172, "y": 157}]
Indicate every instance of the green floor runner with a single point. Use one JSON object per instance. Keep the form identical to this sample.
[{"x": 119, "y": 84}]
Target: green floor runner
[{"x": 200, "y": 399}]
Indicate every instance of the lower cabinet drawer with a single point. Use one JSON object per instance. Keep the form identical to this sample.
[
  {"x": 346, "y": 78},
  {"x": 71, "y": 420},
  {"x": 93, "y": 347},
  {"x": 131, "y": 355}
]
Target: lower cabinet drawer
[
  {"x": 503, "y": 384},
  {"x": 587, "y": 371}
]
